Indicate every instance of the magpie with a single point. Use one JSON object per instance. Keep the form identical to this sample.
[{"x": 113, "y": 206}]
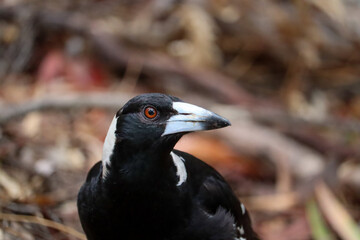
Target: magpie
[{"x": 143, "y": 189}]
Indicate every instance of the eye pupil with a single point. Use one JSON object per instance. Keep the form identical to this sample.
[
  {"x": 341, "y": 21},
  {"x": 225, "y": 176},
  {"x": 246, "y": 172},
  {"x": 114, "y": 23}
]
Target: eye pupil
[{"x": 150, "y": 112}]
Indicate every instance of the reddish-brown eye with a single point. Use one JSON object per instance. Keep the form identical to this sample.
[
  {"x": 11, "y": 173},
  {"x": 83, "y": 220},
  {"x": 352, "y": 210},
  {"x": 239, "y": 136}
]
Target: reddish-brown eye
[{"x": 150, "y": 112}]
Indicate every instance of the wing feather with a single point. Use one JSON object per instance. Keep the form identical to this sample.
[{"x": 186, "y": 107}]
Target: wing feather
[{"x": 214, "y": 194}]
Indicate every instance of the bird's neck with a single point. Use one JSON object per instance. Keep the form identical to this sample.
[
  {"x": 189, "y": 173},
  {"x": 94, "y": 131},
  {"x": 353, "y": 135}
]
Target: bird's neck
[{"x": 137, "y": 164}]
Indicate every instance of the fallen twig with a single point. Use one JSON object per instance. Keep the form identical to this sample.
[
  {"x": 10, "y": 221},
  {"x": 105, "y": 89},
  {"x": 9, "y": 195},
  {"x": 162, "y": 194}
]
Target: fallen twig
[
  {"x": 291, "y": 157},
  {"x": 109, "y": 101},
  {"x": 336, "y": 214},
  {"x": 42, "y": 221},
  {"x": 277, "y": 202}
]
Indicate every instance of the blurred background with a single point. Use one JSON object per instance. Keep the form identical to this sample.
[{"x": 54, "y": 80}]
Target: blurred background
[{"x": 286, "y": 73}]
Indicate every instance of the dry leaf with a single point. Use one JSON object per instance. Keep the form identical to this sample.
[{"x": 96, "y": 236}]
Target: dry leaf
[
  {"x": 31, "y": 124},
  {"x": 200, "y": 48},
  {"x": 336, "y": 214},
  {"x": 12, "y": 187},
  {"x": 272, "y": 203}
]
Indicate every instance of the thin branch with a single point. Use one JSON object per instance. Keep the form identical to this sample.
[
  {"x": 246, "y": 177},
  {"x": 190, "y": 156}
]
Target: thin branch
[
  {"x": 336, "y": 214},
  {"x": 42, "y": 221},
  {"x": 291, "y": 157},
  {"x": 107, "y": 101}
]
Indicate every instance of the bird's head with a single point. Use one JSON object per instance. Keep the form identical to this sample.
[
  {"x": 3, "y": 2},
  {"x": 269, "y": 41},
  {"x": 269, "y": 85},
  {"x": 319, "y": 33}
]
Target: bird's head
[{"x": 155, "y": 121}]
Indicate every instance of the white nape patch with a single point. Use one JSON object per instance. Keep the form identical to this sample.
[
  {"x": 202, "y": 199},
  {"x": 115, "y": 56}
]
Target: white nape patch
[
  {"x": 242, "y": 208},
  {"x": 109, "y": 145},
  {"x": 180, "y": 168}
]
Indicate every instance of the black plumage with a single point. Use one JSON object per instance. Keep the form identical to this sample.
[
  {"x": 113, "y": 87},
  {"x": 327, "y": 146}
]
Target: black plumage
[{"x": 144, "y": 189}]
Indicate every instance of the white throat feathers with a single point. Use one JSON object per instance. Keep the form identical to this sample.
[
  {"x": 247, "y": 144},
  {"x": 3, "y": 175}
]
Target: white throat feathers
[
  {"x": 109, "y": 145},
  {"x": 180, "y": 168}
]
